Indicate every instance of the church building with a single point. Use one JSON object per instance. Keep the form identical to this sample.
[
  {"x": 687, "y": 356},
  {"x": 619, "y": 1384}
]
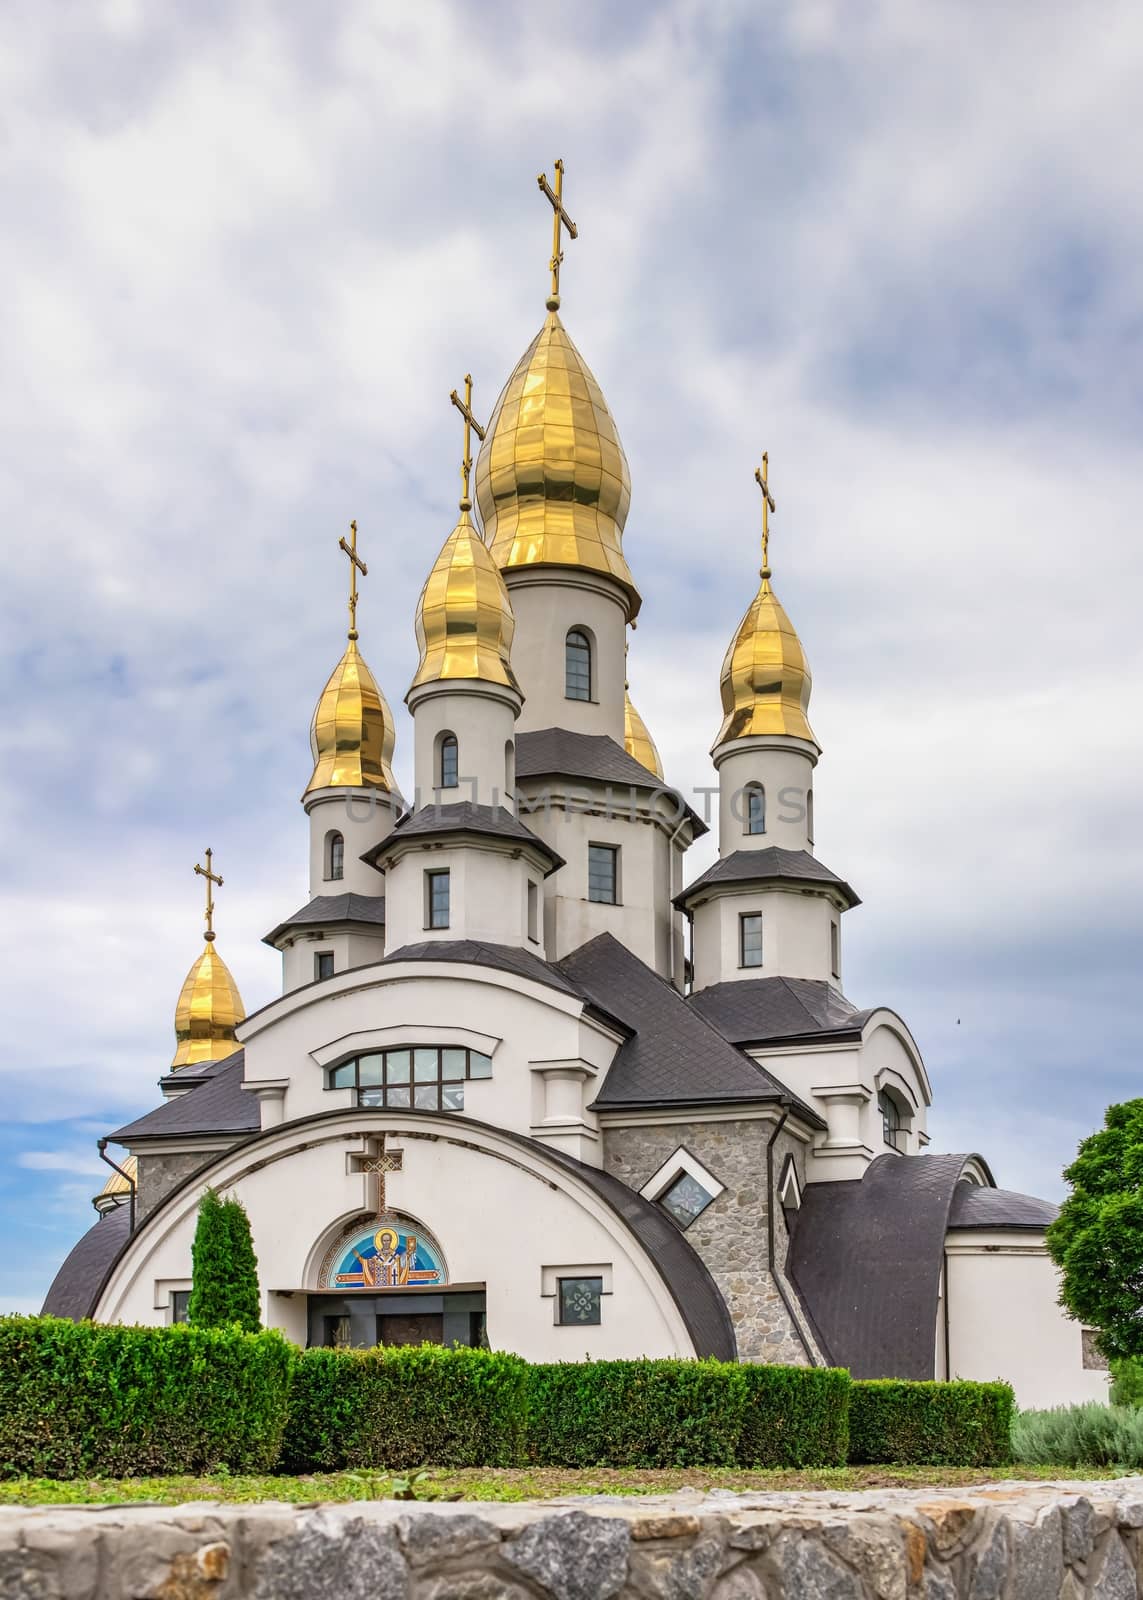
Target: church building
[{"x": 529, "y": 1082}]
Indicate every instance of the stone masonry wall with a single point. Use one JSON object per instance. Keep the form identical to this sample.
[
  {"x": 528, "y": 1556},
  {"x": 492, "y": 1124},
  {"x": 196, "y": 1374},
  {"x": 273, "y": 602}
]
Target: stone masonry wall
[
  {"x": 1001, "y": 1542},
  {"x": 158, "y": 1175},
  {"x": 730, "y": 1235}
]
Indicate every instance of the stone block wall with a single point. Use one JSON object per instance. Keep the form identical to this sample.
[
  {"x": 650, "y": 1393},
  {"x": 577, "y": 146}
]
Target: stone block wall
[
  {"x": 158, "y": 1175},
  {"x": 731, "y": 1234},
  {"x": 1001, "y": 1542}
]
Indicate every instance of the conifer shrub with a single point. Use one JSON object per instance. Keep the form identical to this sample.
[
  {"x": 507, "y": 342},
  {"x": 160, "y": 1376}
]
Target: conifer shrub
[
  {"x": 406, "y": 1406},
  {"x": 901, "y": 1423},
  {"x": 636, "y": 1413},
  {"x": 224, "y": 1268},
  {"x": 795, "y": 1417},
  {"x": 83, "y": 1399}
]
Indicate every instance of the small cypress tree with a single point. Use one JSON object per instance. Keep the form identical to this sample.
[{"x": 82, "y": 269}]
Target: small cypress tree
[{"x": 224, "y": 1268}]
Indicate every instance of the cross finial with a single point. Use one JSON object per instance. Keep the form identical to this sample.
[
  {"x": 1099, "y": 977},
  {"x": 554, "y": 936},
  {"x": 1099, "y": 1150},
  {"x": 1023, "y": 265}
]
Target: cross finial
[
  {"x": 556, "y": 196},
  {"x": 212, "y": 878},
  {"x": 761, "y": 476},
  {"x": 356, "y": 565},
  {"x": 471, "y": 426}
]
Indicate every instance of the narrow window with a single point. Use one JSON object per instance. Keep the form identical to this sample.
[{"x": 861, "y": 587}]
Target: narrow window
[
  {"x": 334, "y": 856},
  {"x": 750, "y": 939},
  {"x": 577, "y": 666},
  {"x": 534, "y": 912},
  {"x": 180, "y": 1305},
  {"x": 756, "y": 809},
  {"x": 891, "y": 1128},
  {"x": 810, "y": 815},
  {"x": 323, "y": 964},
  {"x": 449, "y": 761},
  {"x": 510, "y": 773},
  {"x": 581, "y": 1301},
  {"x": 834, "y": 950},
  {"x": 603, "y": 874},
  {"x": 436, "y": 899}
]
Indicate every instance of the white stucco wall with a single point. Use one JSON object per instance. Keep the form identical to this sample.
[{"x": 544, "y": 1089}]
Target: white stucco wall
[
  {"x": 488, "y": 893},
  {"x": 796, "y": 940},
  {"x": 785, "y": 769},
  {"x": 1005, "y": 1320},
  {"x": 350, "y": 948},
  {"x": 547, "y": 602},
  {"x": 483, "y": 719},
  {"x": 500, "y": 1212},
  {"x": 364, "y": 817}
]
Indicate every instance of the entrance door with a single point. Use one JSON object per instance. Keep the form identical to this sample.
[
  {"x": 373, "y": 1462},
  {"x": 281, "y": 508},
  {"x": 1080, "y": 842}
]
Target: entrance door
[{"x": 421, "y": 1327}]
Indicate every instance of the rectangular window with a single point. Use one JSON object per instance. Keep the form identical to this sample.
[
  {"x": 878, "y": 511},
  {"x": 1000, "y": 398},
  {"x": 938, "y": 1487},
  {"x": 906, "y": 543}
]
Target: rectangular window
[
  {"x": 603, "y": 874},
  {"x": 834, "y": 950},
  {"x": 534, "y": 912},
  {"x": 755, "y": 810},
  {"x": 436, "y": 899},
  {"x": 581, "y": 1301},
  {"x": 180, "y": 1304},
  {"x": 428, "y": 1078},
  {"x": 323, "y": 965},
  {"x": 750, "y": 939}
]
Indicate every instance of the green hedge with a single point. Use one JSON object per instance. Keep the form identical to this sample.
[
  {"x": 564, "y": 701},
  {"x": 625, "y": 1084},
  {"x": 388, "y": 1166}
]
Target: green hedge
[
  {"x": 405, "y": 1406},
  {"x": 636, "y": 1413},
  {"x": 81, "y": 1399},
  {"x": 893, "y": 1422},
  {"x": 795, "y": 1417}
]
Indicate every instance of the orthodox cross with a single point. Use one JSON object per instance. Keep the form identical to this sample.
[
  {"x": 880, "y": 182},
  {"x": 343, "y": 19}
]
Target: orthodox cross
[
  {"x": 356, "y": 565},
  {"x": 373, "y": 1163},
  {"x": 556, "y": 196},
  {"x": 760, "y": 477},
  {"x": 212, "y": 878},
  {"x": 471, "y": 426}
]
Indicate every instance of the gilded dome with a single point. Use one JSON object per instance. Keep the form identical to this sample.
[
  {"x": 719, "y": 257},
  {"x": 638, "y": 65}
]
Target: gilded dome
[
  {"x": 765, "y": 676},
  {"x": 552, "y": 481},
  {"x": 352, "y": 733},
  {"x": 637, "y": 741},
  {"x": 464, "y": 617},
  {"x": 117, "y": 1188},
  {"x": 209, "y": 1010}
]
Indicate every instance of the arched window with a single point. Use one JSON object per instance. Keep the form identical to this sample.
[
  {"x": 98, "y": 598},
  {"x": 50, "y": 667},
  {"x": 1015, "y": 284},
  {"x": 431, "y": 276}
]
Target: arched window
[
  {"x": 448, "y": 761},
  {"x": 894, "y": 1133},
  {"x": 577, "y": 666},
  {"x": 810, "y": 815},
  {"x": 510, "y": 773},
  {"x": 755, "y": 809},
  {"x": 334, "y": 855}
]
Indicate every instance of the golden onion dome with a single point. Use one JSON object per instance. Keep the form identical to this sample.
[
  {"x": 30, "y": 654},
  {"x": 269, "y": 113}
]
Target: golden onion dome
[
  {"x": 765, "y": 676},
  {"x": 637, "y": 741},
  {"x": 464, "y": 617},
  {"x": 352, "y": 733},
  {"x": 209, "y": 1010},
  {"x": 552, "y": 481},
  {"x": 117, "y": 1188}
]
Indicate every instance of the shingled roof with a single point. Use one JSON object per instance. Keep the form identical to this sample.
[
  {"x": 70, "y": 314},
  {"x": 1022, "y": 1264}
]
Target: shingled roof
[
  {"x": 217, "y": 1104},
  {"x": 559, "y": 753},
  {"x": 76, "y": 1285},
  {"x": 459, "y": 817},
  {"x": 325, "y": 910},
  {"x": 757, "y": 1010},
  {"x": 773, "y": 864},
  {"x": 671, "y": 1056},
  {"x": 503, "y": 957},
  {"x": 975, "y": 1206}
]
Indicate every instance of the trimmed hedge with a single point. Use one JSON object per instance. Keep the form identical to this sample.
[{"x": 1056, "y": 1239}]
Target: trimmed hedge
[
  {"x": 405, "y": 1406},
  {"x": 80, "y": 1399},
  {"x": 914, "y": 1424},
  {"x": 795, "y": 1417},
  {"x": 636, "y": 1413}
]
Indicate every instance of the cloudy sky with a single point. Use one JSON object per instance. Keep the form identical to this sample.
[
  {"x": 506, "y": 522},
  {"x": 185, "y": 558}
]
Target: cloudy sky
[{"x": 249, "y": 248}]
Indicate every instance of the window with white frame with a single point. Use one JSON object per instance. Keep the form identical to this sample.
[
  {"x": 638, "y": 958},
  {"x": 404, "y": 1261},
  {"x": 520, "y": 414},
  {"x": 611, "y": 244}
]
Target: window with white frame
[{"x": 683, "y": 1187}]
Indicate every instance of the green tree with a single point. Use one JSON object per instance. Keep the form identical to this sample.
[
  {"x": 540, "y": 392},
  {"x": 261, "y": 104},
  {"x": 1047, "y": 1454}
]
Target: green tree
[
  {"x": 1097, "y": 1239},
  {"x": 224, "y": 1268}
]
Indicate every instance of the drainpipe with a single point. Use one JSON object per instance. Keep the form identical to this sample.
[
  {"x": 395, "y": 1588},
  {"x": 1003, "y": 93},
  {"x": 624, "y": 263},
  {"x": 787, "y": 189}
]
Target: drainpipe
[
  {"x": 770, "y": 1203},
  {"x": 130, "y": 1181}
]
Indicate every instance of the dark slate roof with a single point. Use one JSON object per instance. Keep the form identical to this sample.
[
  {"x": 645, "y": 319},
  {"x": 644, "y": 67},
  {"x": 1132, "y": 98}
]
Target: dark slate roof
[
  {"x": 326, "y": 909},
  {"x": 693, "y": 1290},
  {"x": 866, "y": 1258},
  {"x": 557, "y": 752},
  {"x": 217, "y": 1104},
  {"x": 672, "y": 1056},
  {"x": 504, "y": 957},
  {"x": 462, "y": 817},
  {"x": 974, "y": 1206},
  {"x": 76, "y": 1285},
  {"x": 756, "y": 1010},
  {"x": 772, "y": 863}
]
